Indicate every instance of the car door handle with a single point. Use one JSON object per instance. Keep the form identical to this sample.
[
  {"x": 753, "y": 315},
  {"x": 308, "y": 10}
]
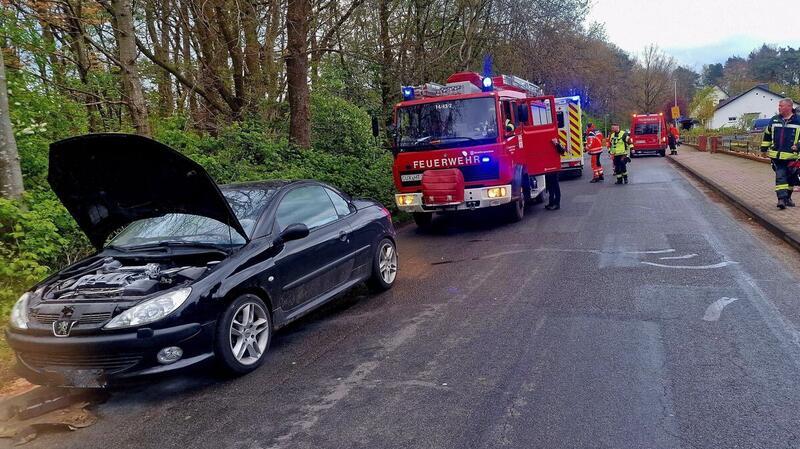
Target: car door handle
[{"x": 343, "y": 236}]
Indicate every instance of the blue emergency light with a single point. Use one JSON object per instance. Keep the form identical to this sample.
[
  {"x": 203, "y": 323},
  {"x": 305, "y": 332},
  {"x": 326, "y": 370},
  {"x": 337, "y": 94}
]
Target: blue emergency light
[
  {"x": 487, "y": 83},
  {"x": 408, "y": 92},
  {"x": 485, "y": 159}
]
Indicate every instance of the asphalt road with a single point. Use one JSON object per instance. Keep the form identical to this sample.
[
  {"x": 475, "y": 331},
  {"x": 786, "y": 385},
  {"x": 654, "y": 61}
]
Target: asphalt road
[{"x": 638, "y": 316}]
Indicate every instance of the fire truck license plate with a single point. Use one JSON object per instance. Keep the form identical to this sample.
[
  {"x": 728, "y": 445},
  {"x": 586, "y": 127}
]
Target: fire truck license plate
[{"x": 415, "y": 177}]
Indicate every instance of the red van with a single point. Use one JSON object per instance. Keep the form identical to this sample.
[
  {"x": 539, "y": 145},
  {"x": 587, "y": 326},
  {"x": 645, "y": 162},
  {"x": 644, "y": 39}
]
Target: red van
[{"x": 649, "y": 134}]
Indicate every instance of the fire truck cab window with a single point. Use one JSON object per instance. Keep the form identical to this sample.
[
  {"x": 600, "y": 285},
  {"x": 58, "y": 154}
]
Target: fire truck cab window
[
  {"x": 541, "y": 112},
  {"x": 447, "y": 123},
  {"x": 507, "y": 116}
]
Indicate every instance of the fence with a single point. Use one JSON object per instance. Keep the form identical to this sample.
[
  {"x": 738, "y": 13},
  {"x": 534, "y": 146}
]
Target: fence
[{"x": 735, "y": 143}]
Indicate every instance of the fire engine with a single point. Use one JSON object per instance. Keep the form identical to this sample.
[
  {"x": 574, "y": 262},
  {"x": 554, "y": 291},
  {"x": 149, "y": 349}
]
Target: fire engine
[
  {"x": 570, "y": 134},
  {"x": 649, "y": 134},
  {"x": 474, "y": 142}
]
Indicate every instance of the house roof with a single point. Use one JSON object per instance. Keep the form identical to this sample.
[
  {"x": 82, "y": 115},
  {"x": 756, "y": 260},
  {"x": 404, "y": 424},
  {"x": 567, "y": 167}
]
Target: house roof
[{"x": 731, "y": 100}]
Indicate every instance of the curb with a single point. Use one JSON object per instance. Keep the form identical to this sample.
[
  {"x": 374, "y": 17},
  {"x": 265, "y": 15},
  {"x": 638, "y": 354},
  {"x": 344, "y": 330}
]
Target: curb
[{"x": 776, "y": 228}]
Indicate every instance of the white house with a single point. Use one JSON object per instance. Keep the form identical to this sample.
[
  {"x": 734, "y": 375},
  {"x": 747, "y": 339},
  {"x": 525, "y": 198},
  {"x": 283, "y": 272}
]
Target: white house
[
  {"x": 717, "y": 94},
  {"x": 758, "y": 102}
]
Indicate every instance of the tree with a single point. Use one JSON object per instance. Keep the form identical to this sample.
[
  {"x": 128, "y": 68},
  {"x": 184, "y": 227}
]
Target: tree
[
  {"x": 297, "y": 21},
  {"x": 122, "y": 13},
  {"x": 712, "y": 74},
  {"x": 10, "y": 172},
  {"x": 652, "y": 80}
]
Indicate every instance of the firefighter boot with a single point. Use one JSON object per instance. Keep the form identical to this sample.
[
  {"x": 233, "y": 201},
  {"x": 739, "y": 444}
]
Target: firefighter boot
[
  {"x": 625, "y": 179},
  {"x": 781, "y": 203},
  {"x": 789, "y": 202},
  {"x": 619, "y": 181}
]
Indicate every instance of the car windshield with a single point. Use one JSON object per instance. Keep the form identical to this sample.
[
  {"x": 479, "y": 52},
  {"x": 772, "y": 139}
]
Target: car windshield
[
  {"x": 447, "y": 124},
  {"x": 646, "y": 128},
  {"x": 247, "y": 204}
]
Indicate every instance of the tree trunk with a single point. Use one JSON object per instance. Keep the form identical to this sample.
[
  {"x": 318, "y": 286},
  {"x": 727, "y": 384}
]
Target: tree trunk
[
  {"x": 297, "y": 18},
  {"x": 131, "y": 84},
  {"x": 10, "y": 172},
  {"x": 386, "y": 63}
]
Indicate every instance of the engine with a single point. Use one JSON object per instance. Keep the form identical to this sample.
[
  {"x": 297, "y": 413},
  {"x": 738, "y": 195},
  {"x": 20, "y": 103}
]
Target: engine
[{"x": 110, "y": 278}]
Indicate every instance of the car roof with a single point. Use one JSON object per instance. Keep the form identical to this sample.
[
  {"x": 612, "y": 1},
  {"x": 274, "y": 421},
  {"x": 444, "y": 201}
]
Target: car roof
[{"x": 270, "y": 184}]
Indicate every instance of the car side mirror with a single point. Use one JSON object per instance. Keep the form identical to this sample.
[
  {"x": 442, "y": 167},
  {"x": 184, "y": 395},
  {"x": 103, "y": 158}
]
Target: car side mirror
[{"x": 295, "y": 231}]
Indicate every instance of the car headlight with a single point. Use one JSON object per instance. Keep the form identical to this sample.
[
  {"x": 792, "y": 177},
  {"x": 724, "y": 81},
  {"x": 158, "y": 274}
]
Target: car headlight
[
  {"x": 19, "y": 313},
  {"x": 150, "y": 310}
]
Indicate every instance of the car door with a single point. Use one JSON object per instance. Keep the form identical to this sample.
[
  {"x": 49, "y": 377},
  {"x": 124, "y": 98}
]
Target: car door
[
  {"x": 310, "y": 267},
  {"x": 540, "y": 155},
  {"x": 363, "y": 233}
]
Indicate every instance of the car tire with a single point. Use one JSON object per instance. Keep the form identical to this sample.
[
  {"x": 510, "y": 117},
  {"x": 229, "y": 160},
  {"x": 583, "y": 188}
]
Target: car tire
[
  {"x": 662, "y": 153},
  {"x": 238, "y": 316},
  {"x": 384, "y": 266},
  {"x": 423, "y": 219}
]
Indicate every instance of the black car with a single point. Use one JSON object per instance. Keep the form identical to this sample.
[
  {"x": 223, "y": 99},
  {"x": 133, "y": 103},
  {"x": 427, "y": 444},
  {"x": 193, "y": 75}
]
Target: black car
[{"x": 198, "y": 271}]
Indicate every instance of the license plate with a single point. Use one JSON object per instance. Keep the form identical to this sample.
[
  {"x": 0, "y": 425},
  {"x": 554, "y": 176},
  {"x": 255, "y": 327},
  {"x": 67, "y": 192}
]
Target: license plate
[{"x": 408, "y": 178}]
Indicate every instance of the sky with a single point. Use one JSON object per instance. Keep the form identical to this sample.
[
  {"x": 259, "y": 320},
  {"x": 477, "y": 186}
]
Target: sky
[{"x": 698, "y": 32}]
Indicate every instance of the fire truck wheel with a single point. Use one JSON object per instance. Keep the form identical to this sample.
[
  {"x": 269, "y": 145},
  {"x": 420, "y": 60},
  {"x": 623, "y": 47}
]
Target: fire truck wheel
[
  {"x": 662, "y": 153},
  {"x": 515, "y": 210},
  {"x": 526, "y": 192},
  {"x": 423, "y": 219}
]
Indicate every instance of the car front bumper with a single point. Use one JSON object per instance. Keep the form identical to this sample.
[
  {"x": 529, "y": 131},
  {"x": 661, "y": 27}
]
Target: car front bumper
[{"x": 100, "y": 360}]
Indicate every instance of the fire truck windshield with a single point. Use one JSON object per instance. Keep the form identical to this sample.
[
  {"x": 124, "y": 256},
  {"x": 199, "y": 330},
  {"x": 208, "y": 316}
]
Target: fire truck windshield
[{"x": 449, "y": 123}]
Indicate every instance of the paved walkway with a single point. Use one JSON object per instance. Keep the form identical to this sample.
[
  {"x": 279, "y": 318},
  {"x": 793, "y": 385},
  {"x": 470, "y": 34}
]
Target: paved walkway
[{"x": 749, "y": 184}]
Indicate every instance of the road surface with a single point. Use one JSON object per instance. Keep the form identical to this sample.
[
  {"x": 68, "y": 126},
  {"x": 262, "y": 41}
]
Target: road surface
[{"x": 638, "y": 316}]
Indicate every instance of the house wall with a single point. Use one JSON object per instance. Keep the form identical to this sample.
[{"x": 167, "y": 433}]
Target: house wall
[{"x": 756, "y": 101}]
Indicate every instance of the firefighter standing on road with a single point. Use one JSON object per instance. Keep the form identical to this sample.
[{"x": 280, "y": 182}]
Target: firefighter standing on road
[
  {"x": 594, "y": 146},
  {"x": 674, "y": 135},
  {"x": 780, "y": 143},
  {"x": 618, "y": 143}
]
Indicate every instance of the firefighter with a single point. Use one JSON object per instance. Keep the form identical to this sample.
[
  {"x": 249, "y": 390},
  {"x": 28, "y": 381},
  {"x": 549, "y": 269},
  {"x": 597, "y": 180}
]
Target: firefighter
[
  {"x": 594, "y": 146},
  {"x": 618, "y": 143},
  {"x": 673, "y": 137},
  {"x": 551, "y": 182},
  {"x": 780, "y": 143}
]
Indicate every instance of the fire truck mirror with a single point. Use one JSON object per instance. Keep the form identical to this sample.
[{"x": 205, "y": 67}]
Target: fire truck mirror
[
  {"x": 375, "y": 127},
  {"x": 522, "y": 113}
]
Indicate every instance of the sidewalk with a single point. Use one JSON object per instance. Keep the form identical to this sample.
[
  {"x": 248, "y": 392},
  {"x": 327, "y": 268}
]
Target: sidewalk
[{"x": 749, "y": 184}]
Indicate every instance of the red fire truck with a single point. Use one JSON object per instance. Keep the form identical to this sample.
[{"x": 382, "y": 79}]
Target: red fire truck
[
  {"x": 474, "y": 142},
  {"x": 649, "y": 134}
]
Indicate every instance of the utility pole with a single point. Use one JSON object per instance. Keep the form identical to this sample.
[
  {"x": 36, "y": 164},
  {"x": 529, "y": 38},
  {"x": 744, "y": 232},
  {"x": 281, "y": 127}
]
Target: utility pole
[{"x": 675, "y": 119}]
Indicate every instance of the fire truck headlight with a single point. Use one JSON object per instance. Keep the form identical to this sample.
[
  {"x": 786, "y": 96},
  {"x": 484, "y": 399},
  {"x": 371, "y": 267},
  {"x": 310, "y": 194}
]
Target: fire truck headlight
[
  {"x": 496, "y": 192},
  {"x": 487, "y": 83},
  {"x": 485, "y": 159},
  {"x": 405, "y": 200}
]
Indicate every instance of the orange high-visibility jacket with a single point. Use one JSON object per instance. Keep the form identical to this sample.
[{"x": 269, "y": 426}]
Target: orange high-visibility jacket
[{"x": 594, "y": 143}]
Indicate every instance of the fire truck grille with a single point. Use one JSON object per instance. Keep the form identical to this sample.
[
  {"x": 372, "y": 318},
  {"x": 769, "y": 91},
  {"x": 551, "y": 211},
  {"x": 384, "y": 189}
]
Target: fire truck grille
[{"x": 471, "y": 173}]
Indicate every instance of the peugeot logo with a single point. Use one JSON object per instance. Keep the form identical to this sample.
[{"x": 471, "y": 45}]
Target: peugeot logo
[{"x": 62, "y": 328}]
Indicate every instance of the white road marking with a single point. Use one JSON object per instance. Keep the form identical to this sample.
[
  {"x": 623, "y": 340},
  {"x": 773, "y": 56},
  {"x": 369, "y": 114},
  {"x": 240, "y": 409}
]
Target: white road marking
[
  {"x": 688, "y": 256},
  {"x": 656, "y": 251},
  {"x": 714, "y": 310},
  {"x": 695, "y": 267}
]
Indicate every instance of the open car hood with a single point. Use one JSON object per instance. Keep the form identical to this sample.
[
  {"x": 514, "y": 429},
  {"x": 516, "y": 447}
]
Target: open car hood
[{"x": 107, "y": 181}]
